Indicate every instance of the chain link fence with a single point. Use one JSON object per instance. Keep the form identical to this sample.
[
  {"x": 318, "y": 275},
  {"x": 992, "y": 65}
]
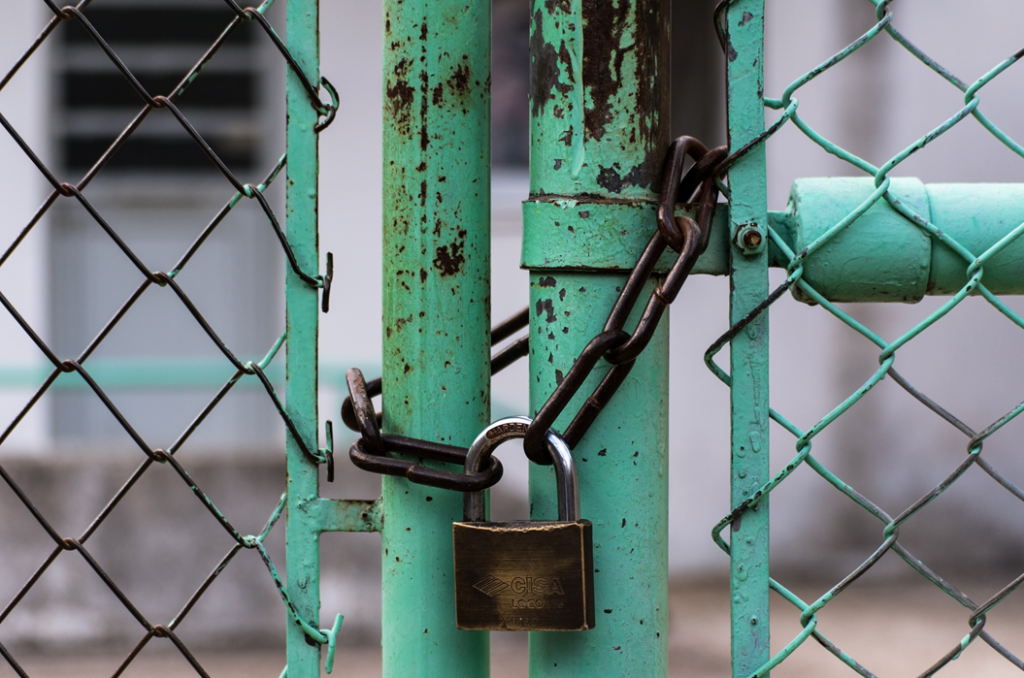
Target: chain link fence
[
  {"x": 973, "y": 265},
  {"x": 153, "y": 459},
  {"x": 255, "y": 368}
]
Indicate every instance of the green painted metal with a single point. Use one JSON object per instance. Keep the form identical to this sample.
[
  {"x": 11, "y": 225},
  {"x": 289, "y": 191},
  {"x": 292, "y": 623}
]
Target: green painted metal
[
  {"x": 987, "y": 225},
  {"x": 607, "y": 235},
  {"x": 622, "y": 464},
  {"x": 884, "y": 256},
  {"x": 436, "y": 311},
  {"x": 591, "y": 209},
  {"x": 302, "y": 316},
  {"x": 978, "y": 217},
  {"x": 599, "y": 130},
  {"x": 346, "y": 515},
  {"x": 749, "y": 349},
  {"x": 881, "y": 257}
]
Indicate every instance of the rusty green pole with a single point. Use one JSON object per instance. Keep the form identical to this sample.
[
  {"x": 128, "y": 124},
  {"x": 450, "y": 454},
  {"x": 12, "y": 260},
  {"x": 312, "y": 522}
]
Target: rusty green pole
[
  {"x": 748, "y": 228},
  {"x": 302, "y": 318},
  {"x": 436, "y": 363},
  {"x": 599, "y": 132}
]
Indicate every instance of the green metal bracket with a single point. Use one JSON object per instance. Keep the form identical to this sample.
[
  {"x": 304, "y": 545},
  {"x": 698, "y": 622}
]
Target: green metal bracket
[
  {"x": 881, "y": 256},
  {"x": 607, "y": 235},
  {"x": 345, "y": 515}
]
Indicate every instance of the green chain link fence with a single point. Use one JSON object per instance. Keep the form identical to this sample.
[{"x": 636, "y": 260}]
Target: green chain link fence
[
  {"x": 308, "y": 116},
  {"x": 298, "y": 246},
  {"x": 751, "y": 656}
]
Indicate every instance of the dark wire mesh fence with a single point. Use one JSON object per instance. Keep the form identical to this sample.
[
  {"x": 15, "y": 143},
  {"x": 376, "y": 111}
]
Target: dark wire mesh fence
[
  {"x": 236, "y": 190},
  {"x": 974, "y": 269}
]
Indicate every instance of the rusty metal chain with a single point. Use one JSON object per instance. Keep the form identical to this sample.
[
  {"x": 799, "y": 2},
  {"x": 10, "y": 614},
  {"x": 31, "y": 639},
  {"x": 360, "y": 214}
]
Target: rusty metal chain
[
  {"x": 369, "y": 452},
  {"x": 685, "y": 235}
]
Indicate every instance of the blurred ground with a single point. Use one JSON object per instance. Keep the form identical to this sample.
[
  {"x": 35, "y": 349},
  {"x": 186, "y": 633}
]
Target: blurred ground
[{"x": 892, "y": 630}]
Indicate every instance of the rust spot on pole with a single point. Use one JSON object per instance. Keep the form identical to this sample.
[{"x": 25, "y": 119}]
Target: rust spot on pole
[
  {"x": 639, "y": 30},
  {"x": 544, "y": 67}
]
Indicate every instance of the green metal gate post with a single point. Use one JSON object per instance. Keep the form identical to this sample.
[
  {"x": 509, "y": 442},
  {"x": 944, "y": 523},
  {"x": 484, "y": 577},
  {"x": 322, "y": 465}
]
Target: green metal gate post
[
  {"x": 749, "y": 352},
  {"x": 599, "y": 132},
  {"x": 436, "y": 310},
  {"x": 302, "y": 309}
]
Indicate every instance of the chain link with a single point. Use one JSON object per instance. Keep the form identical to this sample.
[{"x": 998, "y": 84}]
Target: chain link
[
  {"x": 369, "y": 452},
  {"x": 685, "y": 235},
  {"x": 974, "y": 267},
  {"x": 150, "y": 278}
]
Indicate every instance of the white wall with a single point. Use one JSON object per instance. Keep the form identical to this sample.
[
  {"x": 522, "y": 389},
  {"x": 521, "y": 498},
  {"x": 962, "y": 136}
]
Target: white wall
[{"x": 23, "y": 278}]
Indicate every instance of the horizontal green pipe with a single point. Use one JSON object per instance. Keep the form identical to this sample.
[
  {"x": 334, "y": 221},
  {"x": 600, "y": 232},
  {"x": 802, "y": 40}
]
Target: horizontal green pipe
[
  {"x": 610, "y": 234},
  {"x": 884, "y": 256},
  {"x": 881, "y": 256},
  {"x": 977, "y": 216}
]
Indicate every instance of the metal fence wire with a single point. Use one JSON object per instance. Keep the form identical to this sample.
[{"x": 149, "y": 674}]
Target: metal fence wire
[
  {"x": 237, "y": 189},
  {"x": 973, "y": 263}
]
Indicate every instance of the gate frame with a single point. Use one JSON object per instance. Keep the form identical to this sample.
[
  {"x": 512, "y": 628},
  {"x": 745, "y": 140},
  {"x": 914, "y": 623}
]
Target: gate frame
[
  {"x": 302, "y": 327},
  {"x": 748, "y": 395}
]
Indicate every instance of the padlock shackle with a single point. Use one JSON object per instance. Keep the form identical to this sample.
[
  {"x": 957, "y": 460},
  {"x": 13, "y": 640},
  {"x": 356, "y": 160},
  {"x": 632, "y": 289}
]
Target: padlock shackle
[{"x": 561, "y": 457}]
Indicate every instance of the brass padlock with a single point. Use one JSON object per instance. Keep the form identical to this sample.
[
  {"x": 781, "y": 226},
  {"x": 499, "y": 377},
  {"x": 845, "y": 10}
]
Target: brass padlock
[{"x": 524, "y": 576}]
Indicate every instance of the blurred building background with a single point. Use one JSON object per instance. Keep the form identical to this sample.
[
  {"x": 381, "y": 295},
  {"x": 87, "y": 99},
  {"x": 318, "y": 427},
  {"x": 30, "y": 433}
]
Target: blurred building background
[{"x": 67, "y": 279}]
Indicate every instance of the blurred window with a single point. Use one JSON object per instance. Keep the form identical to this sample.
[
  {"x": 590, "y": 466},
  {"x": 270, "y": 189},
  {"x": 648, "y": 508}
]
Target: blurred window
[
  {"x": 158, "y": 192},
  {"x": 159, "y": 42}
]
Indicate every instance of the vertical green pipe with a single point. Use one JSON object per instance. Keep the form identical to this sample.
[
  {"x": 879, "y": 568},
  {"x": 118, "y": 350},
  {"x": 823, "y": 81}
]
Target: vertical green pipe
[
  {"x": 749, "y": 352},
  {"x": 303, "y": 538},
  {"x": 436, "y": 310},
  {"x": 599, "y": 131}
]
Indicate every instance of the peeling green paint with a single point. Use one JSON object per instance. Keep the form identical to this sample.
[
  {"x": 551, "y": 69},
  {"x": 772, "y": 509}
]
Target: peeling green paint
[
  {"x": 599, "y": 100},
  {"x": 436, "y": 371},
  {"x": 599, "y": 106}
]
